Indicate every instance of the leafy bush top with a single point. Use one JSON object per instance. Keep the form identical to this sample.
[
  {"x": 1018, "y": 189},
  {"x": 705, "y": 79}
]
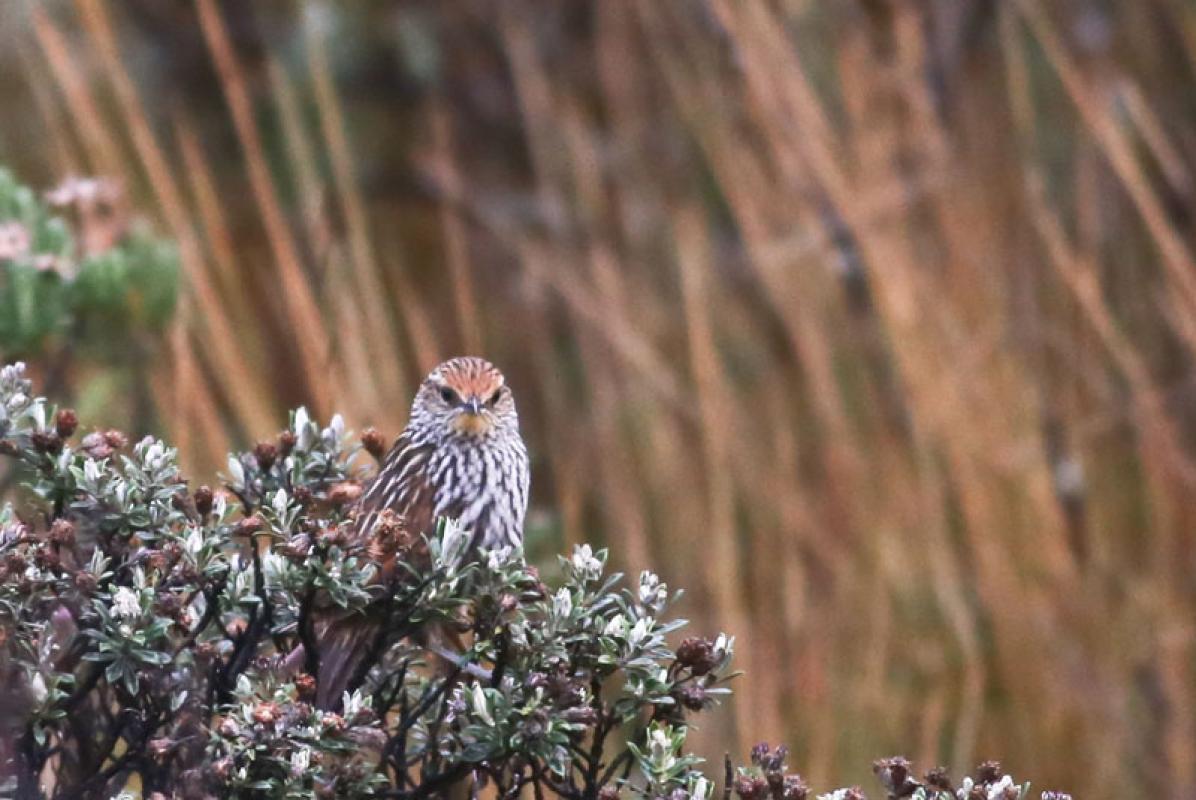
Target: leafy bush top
[
  {"x": 75, "y": 264},
  {"x": 152, "y": 629}
]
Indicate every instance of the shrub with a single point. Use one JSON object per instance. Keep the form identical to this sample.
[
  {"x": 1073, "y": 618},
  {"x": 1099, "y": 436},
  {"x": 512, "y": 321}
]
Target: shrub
[
  {"x": 74, "y": 266},
  {"x": 173, "y": 633},
  {"x": 150, "y": 628}
]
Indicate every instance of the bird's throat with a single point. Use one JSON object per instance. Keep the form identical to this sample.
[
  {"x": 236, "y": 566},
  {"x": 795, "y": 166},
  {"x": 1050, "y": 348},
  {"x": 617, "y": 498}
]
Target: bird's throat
[{"x": 471, "y": 424}]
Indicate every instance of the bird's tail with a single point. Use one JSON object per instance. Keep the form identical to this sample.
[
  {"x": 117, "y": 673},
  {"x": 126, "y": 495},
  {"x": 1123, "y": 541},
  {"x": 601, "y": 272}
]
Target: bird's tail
[{"x": 344, "y": 647}]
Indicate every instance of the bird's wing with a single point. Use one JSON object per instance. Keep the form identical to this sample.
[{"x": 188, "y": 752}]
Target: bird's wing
[{"x": 402, "y": 486}]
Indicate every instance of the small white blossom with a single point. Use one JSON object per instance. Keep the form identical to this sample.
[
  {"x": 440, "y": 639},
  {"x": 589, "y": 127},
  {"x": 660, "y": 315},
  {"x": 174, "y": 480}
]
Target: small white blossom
[
  {"x": 616, "y": 626},
  {"x": 38, "y": 686},
  {"x": 38, "y": 413},
  {"x": 120, "y": 490},
  {"x": 456, "y": 703},
  {"x": 335, "y": 431},
  {"x": 236, "y": 472},
  {"x": 453, "y": 544},
  {"x": 480, "y": 707},
  {"x": 585, "y": 565},
  {"x": 17, "y": 402},
  {"x": 353, "y": 703},
  {"x": 997, "y": 791},
  {"x": 13, "y": 373},
  {"x": 660, "y": 749},
  {"x": 126, "y": 604},
  {"x": 562, "y": 603},
  {"x": 639, "y": 631},
  {"x": 300, "y": 761},
  {"x": 154, "y": 455},
  {"x": 279, "y": 502},
  {"x": 92, "y": 471},
  {"x": 305, "y": 430},
  {"x": 496, "y": 558},
  {"x": 701, "y": 788},
  {"x": 193, "y": 541},
  {"x": 838, "y": 794},
  {"x": 652, "y": 592},
  {"x": 965, "y": 789},
  {"x": 724, "y": 645}
]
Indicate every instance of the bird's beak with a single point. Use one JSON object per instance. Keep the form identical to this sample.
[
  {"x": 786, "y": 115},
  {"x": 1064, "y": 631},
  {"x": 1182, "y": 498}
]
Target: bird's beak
[{"x": 472, "y": 422}]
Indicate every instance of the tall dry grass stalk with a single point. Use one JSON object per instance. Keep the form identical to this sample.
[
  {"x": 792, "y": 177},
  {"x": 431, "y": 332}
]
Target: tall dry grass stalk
[{"x": 872, "y": 326}]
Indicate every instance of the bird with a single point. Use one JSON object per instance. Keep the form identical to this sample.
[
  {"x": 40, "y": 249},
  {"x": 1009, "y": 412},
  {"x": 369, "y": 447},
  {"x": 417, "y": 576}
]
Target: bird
[{"x": 461, "y": 456}]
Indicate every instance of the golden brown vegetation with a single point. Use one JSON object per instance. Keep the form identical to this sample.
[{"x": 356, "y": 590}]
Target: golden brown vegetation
[{"x": 872, "y": 323}]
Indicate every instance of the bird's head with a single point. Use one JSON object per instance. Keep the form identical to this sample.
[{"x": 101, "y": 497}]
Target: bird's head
[{"x": 466, "y": 397}]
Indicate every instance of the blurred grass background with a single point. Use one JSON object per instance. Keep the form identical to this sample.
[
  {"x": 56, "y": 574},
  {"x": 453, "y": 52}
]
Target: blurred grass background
[{"x": 870, "y": 323}]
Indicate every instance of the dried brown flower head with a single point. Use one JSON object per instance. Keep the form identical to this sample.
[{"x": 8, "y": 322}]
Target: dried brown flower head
[
  {"x": 939, "y": 778},
  {"x": 373, "y": 442},
  {"x": 305, "y": 685},
  {"x": 894, "y": 775},
  {"x": 62, "y": 532},
  {"x": 46, "y": 441},
  {"x": 266, "y": 453},
  {"x": 988, "y": 772},
  {"x": 85, "y": 582},
  {"x": 749, "y": 787},
  {"x": 66, "y": 422},
  {"x": 697, "y": 654},
  {"x": 204, "y": 500},
  {"x": 694, "y": 697}
]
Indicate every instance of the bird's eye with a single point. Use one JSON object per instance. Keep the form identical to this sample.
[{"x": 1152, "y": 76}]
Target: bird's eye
[
  {"x": 494, "y": 398},
  {"x": 448, "y": 395}
]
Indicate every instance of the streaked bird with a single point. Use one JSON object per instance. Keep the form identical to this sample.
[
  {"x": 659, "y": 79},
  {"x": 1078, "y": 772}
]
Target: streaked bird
[{"x": 460, "y": 456}]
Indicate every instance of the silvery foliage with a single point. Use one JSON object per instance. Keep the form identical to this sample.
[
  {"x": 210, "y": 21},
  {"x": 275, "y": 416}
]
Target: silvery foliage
[{"x": 153, "y": 628}]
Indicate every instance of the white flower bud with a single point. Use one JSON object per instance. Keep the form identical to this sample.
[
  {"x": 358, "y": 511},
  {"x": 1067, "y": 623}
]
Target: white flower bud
[
  {"x": 300, "y": 761},
  {"x": 639, "y": 632},
  {"x": 562, "y": 603},
  {"x": 480, "y": 707},
  {"x": 279, "y": 502},
  {"x": 38, "y": 686},
  {"x": 616, "y": 626},
  {"x": 585, "y": 565},
  {"x": 126, "y": 604},
  {"x": 236, "y": 472}
]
